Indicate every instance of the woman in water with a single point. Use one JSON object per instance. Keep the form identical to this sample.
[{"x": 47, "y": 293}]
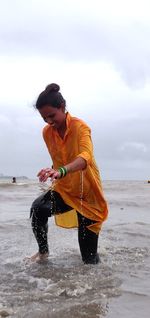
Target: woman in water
[{"x": 76, "y": 198}]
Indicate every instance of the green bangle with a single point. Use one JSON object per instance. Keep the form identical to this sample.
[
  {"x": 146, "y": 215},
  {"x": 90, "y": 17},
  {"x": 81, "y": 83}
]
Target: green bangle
[{"x": 63, "y": 171}]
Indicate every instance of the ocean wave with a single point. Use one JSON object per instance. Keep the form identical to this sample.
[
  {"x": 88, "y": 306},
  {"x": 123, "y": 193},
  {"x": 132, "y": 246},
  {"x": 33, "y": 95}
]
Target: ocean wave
[{"x": 12, "y": 185}]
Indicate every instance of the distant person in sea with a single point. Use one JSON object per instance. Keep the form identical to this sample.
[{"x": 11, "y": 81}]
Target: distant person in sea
[
  {"x": 76, "y": 197},
  {"x": 14, "y": 180}
]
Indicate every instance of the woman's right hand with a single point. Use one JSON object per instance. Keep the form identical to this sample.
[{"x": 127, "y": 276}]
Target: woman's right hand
[{"x": 44, "y": 174}]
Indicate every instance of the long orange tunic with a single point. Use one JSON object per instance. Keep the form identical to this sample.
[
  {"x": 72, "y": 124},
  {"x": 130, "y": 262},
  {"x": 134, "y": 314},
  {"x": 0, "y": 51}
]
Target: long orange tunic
[{"x": 80, "y": 190}]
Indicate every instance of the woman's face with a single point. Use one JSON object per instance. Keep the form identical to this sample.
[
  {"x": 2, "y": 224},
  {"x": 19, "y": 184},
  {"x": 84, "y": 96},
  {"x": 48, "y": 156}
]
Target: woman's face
[{"x": 55, "y": 117}]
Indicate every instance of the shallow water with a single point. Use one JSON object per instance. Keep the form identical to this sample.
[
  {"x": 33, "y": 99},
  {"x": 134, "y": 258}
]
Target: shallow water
[{"x": 63, "y": 286}]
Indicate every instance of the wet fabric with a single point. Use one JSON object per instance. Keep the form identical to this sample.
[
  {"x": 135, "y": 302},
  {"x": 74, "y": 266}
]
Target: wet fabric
[
  {"x": 77, "y": 143},
  {"x": 45, "y": 206}
]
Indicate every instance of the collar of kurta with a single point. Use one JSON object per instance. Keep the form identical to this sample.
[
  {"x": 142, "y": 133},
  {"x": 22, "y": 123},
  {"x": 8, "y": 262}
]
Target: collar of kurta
[{"x": 68, "y": 121}]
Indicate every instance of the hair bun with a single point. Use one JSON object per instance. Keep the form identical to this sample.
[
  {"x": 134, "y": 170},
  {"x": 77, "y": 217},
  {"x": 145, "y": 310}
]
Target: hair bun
[{"x": 52, "y": 88}]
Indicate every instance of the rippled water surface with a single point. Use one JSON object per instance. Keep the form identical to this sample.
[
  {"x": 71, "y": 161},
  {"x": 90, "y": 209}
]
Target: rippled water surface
[{"x": 63, "y": 286}]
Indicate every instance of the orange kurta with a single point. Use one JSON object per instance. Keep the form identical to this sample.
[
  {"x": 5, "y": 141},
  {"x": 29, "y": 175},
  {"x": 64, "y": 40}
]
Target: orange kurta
[{"x": 77, "y": 143}]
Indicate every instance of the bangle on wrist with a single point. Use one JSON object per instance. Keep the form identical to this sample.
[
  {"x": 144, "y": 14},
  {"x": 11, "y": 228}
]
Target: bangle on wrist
[{"x": 63, "y": 171}]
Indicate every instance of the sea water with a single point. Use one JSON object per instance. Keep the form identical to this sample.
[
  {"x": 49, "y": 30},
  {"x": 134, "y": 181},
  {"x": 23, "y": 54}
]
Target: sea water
[{"x": 63, "y": 286}]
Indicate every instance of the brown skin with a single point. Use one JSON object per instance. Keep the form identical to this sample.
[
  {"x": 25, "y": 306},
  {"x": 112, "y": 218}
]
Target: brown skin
[{"x": 56, "y": 117}]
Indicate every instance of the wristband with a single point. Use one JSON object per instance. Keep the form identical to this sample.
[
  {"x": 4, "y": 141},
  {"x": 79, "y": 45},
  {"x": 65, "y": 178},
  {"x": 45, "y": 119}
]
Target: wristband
[{"x": 63, "y": 172}]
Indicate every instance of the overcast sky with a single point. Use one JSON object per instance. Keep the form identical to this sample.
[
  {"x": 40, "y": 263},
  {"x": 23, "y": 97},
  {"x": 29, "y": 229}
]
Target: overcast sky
[{"x": 99, "y": 54}]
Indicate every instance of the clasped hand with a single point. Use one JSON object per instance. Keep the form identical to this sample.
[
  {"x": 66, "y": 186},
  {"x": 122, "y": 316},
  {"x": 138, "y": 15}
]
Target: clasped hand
[{"x": 44, "y": 174}]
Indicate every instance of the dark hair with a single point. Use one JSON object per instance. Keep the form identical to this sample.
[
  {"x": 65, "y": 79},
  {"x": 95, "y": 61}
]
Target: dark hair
[{"x": 50, "y": 96}]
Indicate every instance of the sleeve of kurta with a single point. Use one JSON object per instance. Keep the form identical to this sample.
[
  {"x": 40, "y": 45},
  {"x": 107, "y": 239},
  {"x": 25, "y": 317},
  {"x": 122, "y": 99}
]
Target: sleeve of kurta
[{"x": 85, "y": 144}]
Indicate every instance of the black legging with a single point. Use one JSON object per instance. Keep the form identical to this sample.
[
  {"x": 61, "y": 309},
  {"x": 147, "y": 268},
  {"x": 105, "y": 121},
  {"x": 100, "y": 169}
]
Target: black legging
[{"x": 87, "y": 239}]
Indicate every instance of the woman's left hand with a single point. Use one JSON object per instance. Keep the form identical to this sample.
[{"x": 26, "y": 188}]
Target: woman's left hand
[{"x": 44, "y": 174}]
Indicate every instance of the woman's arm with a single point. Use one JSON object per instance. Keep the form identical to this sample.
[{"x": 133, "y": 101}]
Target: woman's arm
[{"x": 77, "y": 164}]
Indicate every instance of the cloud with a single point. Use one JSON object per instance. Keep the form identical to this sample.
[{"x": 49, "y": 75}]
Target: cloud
[
  {"x": 86, "y": 33},
  {"x": 134, "y": 148},
  {"x": 98, "y": 51},
  {"x": 4, "y": 120}
]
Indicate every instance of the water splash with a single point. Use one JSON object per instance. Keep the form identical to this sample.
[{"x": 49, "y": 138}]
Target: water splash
[
  {"x": 52, "y": 197},
  {"x": 81, "y": 188}
]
